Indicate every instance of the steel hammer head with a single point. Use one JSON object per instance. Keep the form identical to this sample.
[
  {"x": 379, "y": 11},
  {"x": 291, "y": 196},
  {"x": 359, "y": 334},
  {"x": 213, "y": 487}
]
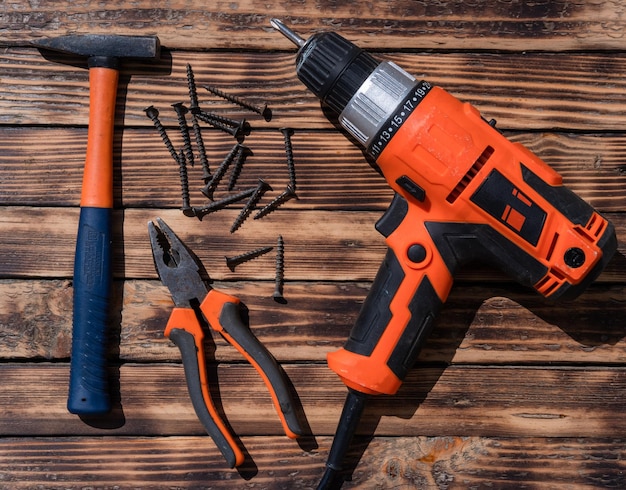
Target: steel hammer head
[{"x": 104, "y": 46}]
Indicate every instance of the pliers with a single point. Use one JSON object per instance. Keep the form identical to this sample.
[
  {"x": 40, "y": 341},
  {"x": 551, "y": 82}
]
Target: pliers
[{"x": 195, "y": 303}]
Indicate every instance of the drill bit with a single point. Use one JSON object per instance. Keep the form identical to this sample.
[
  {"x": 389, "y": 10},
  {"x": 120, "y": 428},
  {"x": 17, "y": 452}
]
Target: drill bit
[{"x": 288, "y": 33}]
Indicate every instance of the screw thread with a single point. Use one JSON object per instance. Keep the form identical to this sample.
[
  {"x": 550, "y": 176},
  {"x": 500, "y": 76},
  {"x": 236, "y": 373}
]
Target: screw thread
[
  {"x": 261, "y": 189},
  {"x": 153, "y": 114},
  {"x": 263, "y": 111},
  {"x": 193, "y": 91},
  {"x": 287, "y": 134},
  {"x": 279, "y": 281},
  {"x": 210, "y": 187},
  {"x": 207, "y": 118},
  {"x": 278, "y": 201},
  {"x": 233, "y": 262},
  {"x": 244, "y": 153},
  {"x": 222, "y": 203},
  {"x": 202, "y": 154},
  {"x": 184, "y": 185},
  {"x": 218, "y": 118},
  {"x": 181, "y": 110}
]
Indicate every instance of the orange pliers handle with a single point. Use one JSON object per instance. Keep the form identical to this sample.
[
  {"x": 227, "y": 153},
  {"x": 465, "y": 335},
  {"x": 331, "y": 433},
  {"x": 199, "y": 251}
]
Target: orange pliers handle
[{"x": 221, "y": 311}]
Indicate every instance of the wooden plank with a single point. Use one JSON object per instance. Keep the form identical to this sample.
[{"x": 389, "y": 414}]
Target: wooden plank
[
  {"x": 305, "y": 235},
  {"x": 455, "y": 401},
  {"x": 479, "y": 324},
  {"x": 402, "y": 462},
  {"x": 451, "y": 24},
  {"x": 331, "y": 172},
  {"x": 582, "y": 92},
  {"x": 319, "y": 245}
]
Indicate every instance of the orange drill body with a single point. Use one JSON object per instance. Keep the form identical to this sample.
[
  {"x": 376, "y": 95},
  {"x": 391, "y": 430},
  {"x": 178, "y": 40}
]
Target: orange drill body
[{"x": 455, "y": 170}]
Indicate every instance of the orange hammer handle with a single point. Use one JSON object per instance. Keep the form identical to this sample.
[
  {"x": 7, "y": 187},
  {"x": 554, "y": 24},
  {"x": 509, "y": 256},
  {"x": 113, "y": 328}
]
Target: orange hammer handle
[{"x": 97, "y": 190}]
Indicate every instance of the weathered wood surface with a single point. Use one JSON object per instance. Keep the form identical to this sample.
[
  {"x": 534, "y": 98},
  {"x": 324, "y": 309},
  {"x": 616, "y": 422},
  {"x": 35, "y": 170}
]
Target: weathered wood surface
[
  {"x": 509, "y": 392},
  {"x": 398, "y": 462},
  {"x": 319, "y": 245},
  {"x": 331, "y": 172},
  {"x": 554, "y": 25},
  {"x": 460, "y": 400},
  {"x": 521, "y": 90},
  {"x": 479, "y": 325}
]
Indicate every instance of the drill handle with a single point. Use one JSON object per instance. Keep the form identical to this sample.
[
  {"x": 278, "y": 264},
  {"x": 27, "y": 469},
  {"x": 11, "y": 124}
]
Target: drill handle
[{"x": 394, "y": 322}]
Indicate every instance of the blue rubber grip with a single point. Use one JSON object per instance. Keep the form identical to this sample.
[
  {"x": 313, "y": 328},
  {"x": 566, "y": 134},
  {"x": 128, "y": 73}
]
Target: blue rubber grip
[{"x": 89, "y": 386}]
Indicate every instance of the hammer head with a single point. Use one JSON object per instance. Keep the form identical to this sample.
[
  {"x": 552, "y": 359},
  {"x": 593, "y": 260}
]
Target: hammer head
[{"x": 108, "y": 46}]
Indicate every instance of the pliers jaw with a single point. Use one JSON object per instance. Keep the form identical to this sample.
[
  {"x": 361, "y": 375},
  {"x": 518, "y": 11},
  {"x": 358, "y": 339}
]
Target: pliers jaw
[{"x": 178, "y": 269}]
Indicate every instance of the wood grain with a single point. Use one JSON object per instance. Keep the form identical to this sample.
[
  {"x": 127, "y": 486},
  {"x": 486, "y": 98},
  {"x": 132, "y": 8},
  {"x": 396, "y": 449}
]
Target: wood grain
[
  {"x": 331, "y": 172},
  {"x": 488, "y": 324},
  {"x": 458, "y": 400},
  {"x": 386, "y": 462},
  {"x": 583, "y": 92},
  {"x": 319, "y": 246},
  {"x": 559, "y": 25}
]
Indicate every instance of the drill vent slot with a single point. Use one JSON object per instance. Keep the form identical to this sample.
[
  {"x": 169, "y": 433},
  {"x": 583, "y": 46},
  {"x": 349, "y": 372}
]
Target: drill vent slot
[
  {"x": 550, "y": 283},
  {"x": 552, "y": 246},
  {"x": 596, "y": 225},
  {"x": 471, "y": 173}
]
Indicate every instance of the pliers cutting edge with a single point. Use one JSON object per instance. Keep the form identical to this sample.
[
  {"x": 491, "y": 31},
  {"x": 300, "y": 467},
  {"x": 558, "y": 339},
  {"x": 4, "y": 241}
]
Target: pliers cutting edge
[{"x": 193, "y": 299}]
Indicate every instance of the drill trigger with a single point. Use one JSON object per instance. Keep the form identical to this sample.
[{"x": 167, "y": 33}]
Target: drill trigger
[{"x": 395, "y": 214}]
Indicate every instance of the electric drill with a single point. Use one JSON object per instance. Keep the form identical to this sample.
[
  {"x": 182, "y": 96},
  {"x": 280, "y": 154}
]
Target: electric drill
[{"x": 463, "y": 192}]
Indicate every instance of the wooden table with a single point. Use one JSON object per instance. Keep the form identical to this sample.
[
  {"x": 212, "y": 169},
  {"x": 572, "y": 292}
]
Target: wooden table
[{"x": 510, "y": 391}]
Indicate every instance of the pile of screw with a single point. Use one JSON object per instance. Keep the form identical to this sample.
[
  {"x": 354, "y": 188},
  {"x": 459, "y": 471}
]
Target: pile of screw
[{"x": 234, "y": 161}]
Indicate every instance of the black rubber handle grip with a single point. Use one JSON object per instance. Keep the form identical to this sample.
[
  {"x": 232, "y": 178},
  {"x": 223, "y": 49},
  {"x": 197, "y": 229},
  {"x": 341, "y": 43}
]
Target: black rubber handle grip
[
  {"x": 89, "y": 386},
  {"x": 200, "y": 396},
  {"x": 239, "y": 335}
]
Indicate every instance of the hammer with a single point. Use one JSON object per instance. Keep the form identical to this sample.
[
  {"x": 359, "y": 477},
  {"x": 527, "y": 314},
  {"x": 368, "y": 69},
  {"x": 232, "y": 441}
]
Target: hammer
[{"x": 89, "y": 383}]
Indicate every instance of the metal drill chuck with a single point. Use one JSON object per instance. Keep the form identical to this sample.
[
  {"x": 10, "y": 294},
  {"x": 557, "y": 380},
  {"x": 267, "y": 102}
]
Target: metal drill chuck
[
  {"x": 364, "y": 93},
  {"x": 331, "y": 67}
]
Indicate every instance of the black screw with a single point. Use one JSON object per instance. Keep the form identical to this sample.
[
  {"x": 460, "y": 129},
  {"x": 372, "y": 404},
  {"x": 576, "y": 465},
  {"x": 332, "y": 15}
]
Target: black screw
[
  {"x": 153, "y": 113},
  {"x": 233, "y": 262},
  {"x": 202, "y": 155},
  {"x": 244, "y": 152},
  {"x": 264, "y": 111},
  {"x": 210, "y": 187},
  {"x": 227, "y": 121},
  {"x": 222, "y": 203},
  {"x": 287, "y": 133},
  {"x": 184, "y": 184},
  {"x": 261, "y": 189},
  {"x": 193, "y": 92},
  {"x": 237, "y": 129},
  {"x": 282, "y": 198},
  {"x": 181, "y": 110},
  {"x": 279, "y": 281}
]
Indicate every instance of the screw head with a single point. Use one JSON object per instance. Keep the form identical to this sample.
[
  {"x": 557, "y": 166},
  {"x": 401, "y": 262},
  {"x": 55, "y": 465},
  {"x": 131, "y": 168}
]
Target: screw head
[
  {"x": 189, "y": 211},
  {"x": 151, "y": 112},
  {"x": 180, "y": 108},
  {"x": 266, "y": 113}
]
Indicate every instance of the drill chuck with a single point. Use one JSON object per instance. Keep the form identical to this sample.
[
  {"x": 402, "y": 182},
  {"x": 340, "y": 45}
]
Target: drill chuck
[
  {"x": 370, "y": 99},
  {"x": 329, "y": 65},
  {"x": 333, "y": 68}
]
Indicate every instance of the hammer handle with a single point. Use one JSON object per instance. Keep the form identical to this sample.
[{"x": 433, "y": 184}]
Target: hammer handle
[{"x": 89, "y": 386}]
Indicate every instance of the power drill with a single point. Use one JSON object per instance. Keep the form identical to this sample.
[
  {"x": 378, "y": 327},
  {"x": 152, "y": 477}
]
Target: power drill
[{"x": 463, "y": 193}]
